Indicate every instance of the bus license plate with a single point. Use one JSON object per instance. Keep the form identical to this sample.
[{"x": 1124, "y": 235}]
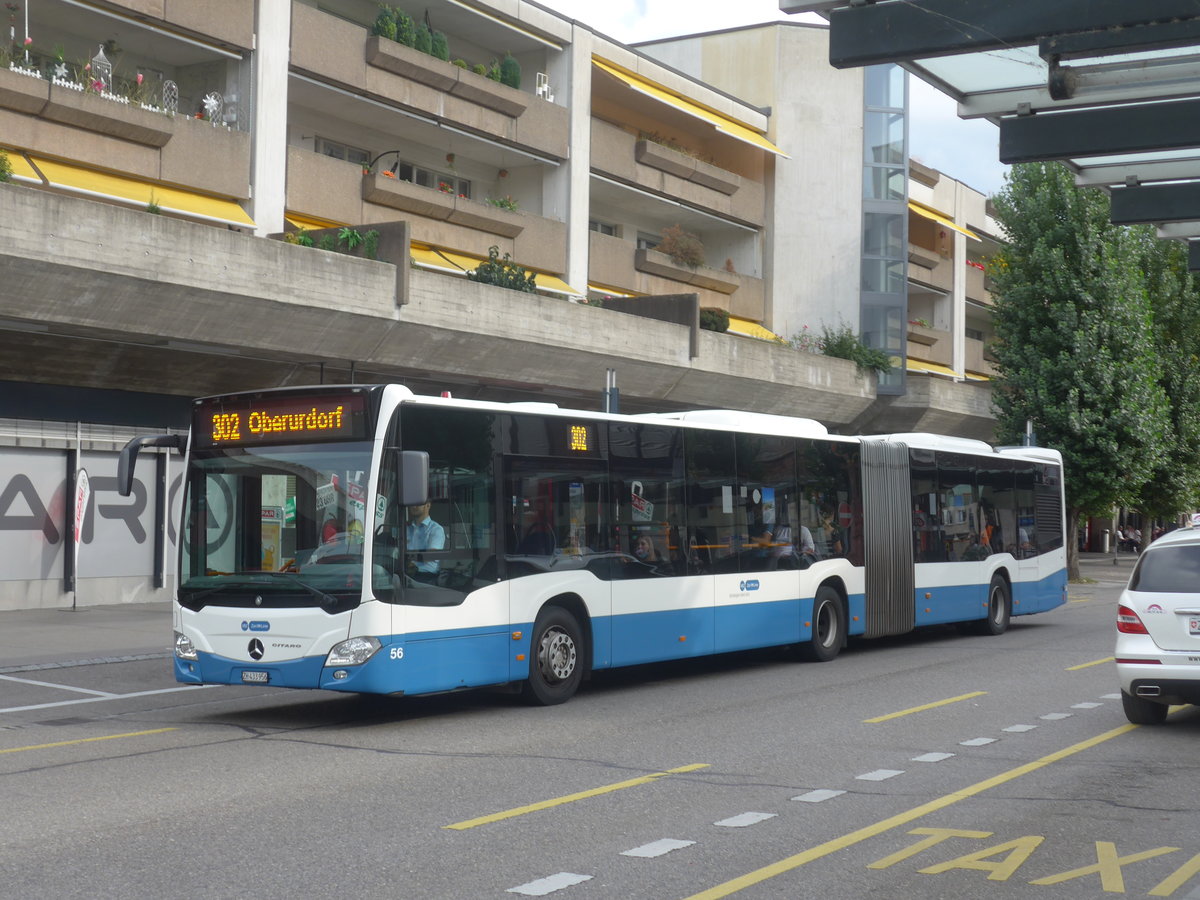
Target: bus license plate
[{"x": 255, "y": 677}]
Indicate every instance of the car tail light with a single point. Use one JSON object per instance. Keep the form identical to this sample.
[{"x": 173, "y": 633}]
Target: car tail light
[{"x": 1128, "y": 621}]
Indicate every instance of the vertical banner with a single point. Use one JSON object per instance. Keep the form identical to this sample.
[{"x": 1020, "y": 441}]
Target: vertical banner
[{"x": 83, "y": 492}]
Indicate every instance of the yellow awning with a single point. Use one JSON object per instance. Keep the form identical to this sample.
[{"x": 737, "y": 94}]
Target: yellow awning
[
  {"x": 311, "y": 223},
  {"x": 977, "y": 376},
  {"x": 461, "y": 264},
  {"x": 722, "y": 123},
  {"x": 751, "y": 329},
  {"x": 460, "y": 260},
  {"x": 105, "y": 186},
  {"x": 927, "y": 368},
  {"x": 928, "y": 213},
  {"x": 426, "y": 258},
  {"x": 21, "y": 169},
  {"x": 555, "y": 285},
  {"x": 611, "y": 292}
]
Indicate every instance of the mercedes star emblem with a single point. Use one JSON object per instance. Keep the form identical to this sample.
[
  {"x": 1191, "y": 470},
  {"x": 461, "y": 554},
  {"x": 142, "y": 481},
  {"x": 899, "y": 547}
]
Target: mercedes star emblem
[{"x": 256, "y": 649}]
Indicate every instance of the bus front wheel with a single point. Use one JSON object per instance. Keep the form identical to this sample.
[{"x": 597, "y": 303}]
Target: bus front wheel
[
  {"x": 556, "y": 658},
  {"x": 828, "y": 627}
]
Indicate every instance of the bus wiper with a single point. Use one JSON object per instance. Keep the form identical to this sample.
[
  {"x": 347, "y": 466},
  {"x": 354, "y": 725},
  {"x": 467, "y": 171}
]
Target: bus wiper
[
  {"x": 326, "y": 599},
  {"x": 254, "y": 578}
]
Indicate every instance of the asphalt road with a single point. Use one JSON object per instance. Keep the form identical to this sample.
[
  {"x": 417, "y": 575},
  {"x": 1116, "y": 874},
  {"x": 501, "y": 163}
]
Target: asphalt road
[{"x": 932, "y": 766}]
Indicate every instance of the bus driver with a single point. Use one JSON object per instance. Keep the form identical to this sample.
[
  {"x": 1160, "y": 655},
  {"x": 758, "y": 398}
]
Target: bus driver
[{"x": 423, "y": 533}]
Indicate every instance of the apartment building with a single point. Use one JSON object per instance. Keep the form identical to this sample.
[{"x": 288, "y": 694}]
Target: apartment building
[{"x": 161, "y": 150}]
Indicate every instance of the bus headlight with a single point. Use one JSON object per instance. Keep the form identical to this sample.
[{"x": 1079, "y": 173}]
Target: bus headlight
[
  {"x": 353, "y": 652},
  {"x": 184, "y": 648}
]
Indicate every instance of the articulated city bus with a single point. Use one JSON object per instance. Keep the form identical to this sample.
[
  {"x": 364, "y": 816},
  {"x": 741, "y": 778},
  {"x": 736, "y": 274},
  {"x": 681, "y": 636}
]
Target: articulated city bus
[{"x": 362, "y": 538}]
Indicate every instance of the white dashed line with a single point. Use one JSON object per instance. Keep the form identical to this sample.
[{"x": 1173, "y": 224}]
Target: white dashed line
[
  {"x": 1054, "y": 717},
  {"x": 657, "y": 848},
  {"x": 1017, "y": 729},
  {"x": 745, "y": 819},
  {"x": 977, "y": 742},
  {"x": 880, "y": 775},
  {"x": 548, "y": 885},
  {"x": 818, "y": 796},
  {"x": 1110, "y": 697},
  {"x": 932, "y": 757},
  {"x": 1085, "y": 705}
]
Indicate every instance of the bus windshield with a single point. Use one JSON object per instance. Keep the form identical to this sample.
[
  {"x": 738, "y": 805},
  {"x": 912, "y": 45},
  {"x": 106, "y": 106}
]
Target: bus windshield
[{"x": 274, "y": 526}]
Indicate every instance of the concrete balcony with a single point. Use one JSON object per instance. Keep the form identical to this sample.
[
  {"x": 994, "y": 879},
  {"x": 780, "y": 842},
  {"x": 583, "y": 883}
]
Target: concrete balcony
[
  {"x": 339, "y": 191},
  {"x": 929, "y": 344},
  {"x": 619, "y": 154},
  {"x": 618, "y": 264},
  {"x": 53, "y": 121},
  {"x": 343, "y": 54},
  {"x": 978, "y": 358}
]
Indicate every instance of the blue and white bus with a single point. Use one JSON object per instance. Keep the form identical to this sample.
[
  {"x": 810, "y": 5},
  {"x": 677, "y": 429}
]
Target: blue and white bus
[{"x": 567, "y": 541}]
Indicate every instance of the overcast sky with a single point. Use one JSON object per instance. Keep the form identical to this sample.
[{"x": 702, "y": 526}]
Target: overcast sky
[{"x": 966, "y": 151}]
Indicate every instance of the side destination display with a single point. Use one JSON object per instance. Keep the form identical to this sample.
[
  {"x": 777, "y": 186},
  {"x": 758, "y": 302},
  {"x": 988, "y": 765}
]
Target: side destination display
[{"x": 285, "y": 419}]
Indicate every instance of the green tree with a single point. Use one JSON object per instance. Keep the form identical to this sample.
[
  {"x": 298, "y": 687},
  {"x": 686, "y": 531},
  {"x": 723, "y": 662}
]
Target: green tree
[
  {"x": 1174, "y": 484},
  {"x": 1074, "y": 347}
]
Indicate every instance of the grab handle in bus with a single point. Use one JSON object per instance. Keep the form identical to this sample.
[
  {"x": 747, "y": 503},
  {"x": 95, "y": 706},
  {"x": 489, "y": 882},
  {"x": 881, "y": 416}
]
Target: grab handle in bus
[
  {"x": 412, "y": 475},
  {"x": 129, "y": 452}
]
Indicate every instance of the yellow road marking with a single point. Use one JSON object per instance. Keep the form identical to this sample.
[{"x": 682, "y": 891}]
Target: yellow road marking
[
  {"x": 107, "y": 737},
  {"x": 571, "y": 798},
  {"x": 1097, "y": 662},
  {"x": 856, "y": 837},
  {"x": 917, "y": 709}
]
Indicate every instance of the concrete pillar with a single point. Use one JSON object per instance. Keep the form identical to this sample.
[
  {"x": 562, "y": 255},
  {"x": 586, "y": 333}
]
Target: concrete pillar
[
  {"x": 578, "y": 66},
  {"x": 268, "y": 160}
]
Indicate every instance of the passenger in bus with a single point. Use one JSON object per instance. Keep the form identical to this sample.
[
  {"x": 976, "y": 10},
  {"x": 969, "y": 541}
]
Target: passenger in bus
[
  {"x": 645, "y": 551},
  {"x": 829, "y": 536},
  {"x": 423, "y": 533},
  {"x": 974, "y": 550}
]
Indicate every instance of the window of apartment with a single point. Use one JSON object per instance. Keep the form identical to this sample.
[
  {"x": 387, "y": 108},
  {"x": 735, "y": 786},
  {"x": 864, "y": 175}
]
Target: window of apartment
[
  {"x": 603, "y": 228},
  {"x": 647, "y": 241},
  {"x": 973, "y": 333},
  {"x": 443, "y": 181},
  {"x": 343, "y": 151}
]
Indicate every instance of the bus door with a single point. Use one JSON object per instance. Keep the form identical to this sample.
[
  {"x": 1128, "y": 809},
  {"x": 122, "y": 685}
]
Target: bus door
[{"x": 553, "y": 533}]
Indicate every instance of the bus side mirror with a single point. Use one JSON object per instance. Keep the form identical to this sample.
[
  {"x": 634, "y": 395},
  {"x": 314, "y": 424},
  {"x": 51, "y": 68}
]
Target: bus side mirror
[
  {"x": 129, "y": 452},
  {"x": 412, "y": 476}
]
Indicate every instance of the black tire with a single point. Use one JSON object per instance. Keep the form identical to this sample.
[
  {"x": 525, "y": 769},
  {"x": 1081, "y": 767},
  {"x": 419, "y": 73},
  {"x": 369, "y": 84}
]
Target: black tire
[
  {"x": 999, "y": 609},
  {"x": 555, "y": 658},
  {"x": 828, "y": 627},
  {"x": 1141, "y": 711}
]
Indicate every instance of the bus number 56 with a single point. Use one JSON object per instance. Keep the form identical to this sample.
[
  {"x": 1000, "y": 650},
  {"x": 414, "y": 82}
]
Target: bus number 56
[{"x": 397, "y": 653}]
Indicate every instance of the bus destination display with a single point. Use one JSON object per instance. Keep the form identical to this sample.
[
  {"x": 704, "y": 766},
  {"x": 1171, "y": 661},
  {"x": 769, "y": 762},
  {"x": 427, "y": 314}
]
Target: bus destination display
[{"x": 239, "y": 421}]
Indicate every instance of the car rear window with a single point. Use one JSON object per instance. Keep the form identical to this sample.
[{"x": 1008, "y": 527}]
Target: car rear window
[{"x": 1173, "y": 569}]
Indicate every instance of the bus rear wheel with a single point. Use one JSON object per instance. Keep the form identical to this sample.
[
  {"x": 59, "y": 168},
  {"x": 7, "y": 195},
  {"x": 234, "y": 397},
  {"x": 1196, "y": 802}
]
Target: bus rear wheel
[
  {"x": 556, "y": 658},
  {"x": 828, "y": 627}
]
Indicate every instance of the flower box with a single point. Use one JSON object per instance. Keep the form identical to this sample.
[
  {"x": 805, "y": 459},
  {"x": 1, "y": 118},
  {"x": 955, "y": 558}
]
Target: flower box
[
  {"x": 665, "y": 159},
  {"x": 481, "y": 90},
  {"x": 654, "y": 263},
  {"x": 394, "y": 57},
  {"x": 404, "y": 195},
  {"x": 442, "y": 205},
  {"x": 485, "y": 217},
  {"x": 97, "y": 113},
  {"x": 414, "y": 65},
  {"x": 920, "y": 334},
  {"x": 24, "y": 93}
]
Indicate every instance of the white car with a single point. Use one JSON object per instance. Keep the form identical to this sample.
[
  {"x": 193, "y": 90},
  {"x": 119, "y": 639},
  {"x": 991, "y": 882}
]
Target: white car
[{"x": 1158, "y": 629}]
